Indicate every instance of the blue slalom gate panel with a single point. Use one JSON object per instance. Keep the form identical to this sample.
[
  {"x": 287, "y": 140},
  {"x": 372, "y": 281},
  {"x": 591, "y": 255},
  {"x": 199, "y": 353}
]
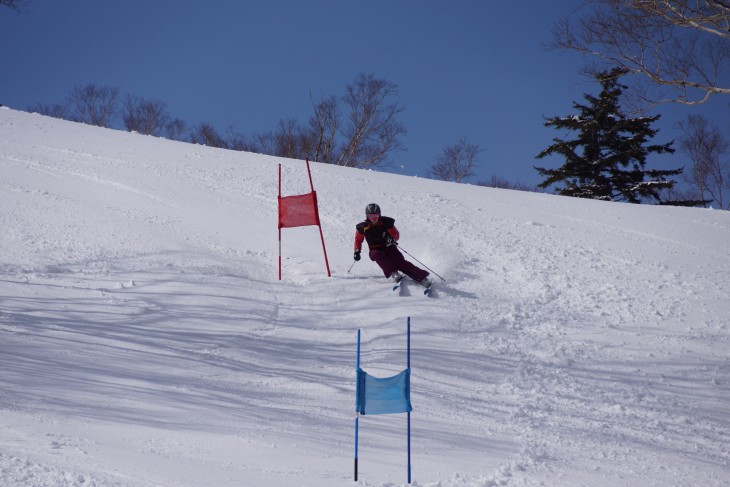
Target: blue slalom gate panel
[{"x": 383, "y": 396}]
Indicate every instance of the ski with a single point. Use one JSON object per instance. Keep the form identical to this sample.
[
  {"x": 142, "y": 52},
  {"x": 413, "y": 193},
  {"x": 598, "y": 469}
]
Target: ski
[
  {"x": 427, "y": 286},
  {"x": 398, "y": 282},
  {"x": 426, "y": 291},
  {"x": 397, "y": 285}
]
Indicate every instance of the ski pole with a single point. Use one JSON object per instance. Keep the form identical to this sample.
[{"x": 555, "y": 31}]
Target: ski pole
[
  {"x": 424, "y": 265},
  {"x": 353, "y": 265}
]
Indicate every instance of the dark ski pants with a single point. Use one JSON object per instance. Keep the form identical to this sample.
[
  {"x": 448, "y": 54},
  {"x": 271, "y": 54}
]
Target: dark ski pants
[{"x": 390, "y": 260}]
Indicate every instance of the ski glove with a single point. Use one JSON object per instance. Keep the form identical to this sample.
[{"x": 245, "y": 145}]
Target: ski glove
[
  {"x": 389, "y": 241},
  {"x": 357, "y": 255}
]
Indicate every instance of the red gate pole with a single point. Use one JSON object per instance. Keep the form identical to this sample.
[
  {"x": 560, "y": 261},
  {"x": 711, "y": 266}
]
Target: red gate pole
[
  {"x": 279, "y": 224},
  {"x": 319, "y": 225}
]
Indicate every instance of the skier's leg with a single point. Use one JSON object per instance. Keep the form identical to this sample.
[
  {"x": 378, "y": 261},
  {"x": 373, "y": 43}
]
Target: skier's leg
[
  {"x": 406, "y": 267},
  {"x": 384, "y": 260}
]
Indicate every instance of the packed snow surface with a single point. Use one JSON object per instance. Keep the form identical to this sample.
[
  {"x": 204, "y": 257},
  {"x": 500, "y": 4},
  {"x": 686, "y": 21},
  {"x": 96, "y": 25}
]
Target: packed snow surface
[{"x": 146, "y": 340}]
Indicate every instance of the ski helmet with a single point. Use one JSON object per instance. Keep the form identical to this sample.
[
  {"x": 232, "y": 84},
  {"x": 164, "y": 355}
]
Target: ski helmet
[{"x": 372, "y": 208}]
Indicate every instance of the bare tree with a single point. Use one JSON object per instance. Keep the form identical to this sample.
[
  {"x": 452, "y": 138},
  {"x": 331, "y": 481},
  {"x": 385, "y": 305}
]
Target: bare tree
[
  {"x": 682, "y": 197},
  {"x": 369, "y": 136},
  {"x": 175, "y": 129},
  {"x": 148, "y": 117},
  {"x": 679, "y": 47},
  {"x": 456, "y": 162},
  {"x": 12, "y": 4},
  {"x": 289, "y": 140},
  {"x": 206, "y": 134},
  {"x": 55, "y": 110},
  {"x": 264, "y": 143},
  {"x": 372, "y": 132},
  {"x": 707, "y": 148},
  {"x": 94, "y": 105},
  {"x": 495, "y": 181},
  {"x": 238, "y": 141},
  {"x": 323, "y": 127}
]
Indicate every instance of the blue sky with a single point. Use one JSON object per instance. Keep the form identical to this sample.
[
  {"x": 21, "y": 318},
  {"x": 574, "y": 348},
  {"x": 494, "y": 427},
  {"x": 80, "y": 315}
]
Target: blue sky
[{"x": 472, "y": 69}]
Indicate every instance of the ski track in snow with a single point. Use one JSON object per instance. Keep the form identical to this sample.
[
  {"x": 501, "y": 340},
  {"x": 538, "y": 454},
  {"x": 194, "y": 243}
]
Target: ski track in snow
[{"x": 145, "y": 339}]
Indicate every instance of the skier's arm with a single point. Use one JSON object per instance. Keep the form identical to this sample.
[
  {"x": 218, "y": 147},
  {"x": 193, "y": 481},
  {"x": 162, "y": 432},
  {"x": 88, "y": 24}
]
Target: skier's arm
[
  {"x": 393, "y": 232},
  {"x": 359, "y": 238}
]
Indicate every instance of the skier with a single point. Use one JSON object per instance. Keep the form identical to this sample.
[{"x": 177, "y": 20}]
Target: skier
[{"x": 382, "y": 237}]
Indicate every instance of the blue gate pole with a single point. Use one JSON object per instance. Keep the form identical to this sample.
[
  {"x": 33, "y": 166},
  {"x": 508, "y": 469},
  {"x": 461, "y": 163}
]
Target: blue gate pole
[
  {"x": 409, "y": 393},
  {"x": 356, "y": 413}
]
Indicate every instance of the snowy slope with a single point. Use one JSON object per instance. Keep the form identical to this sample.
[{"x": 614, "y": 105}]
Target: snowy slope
[{"x": 145, "y": 339}]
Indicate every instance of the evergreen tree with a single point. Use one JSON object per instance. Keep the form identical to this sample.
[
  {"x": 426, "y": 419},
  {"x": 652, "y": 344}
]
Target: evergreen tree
[{"x": 607, "y": 159}]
